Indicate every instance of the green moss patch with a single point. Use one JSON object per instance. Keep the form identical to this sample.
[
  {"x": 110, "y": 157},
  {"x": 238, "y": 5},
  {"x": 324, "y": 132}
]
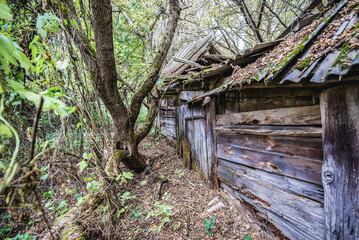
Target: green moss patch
[{"x": 305, "y": 63}]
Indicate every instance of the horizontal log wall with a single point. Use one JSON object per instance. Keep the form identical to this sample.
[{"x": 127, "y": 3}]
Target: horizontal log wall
[{"x": 270, "y": 156}]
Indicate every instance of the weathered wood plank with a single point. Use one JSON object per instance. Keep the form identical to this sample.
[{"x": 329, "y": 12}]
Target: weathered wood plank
[
  {"x": 340, "y": 116},
  {"x": 294, "y": 146},
  {"x": 272, "y": 130},
  {"x": 188, "y": 95},
  {"x": 264, "y": 103},
  {"x": 276, "y": 182},
  {"x": 168, "y": 127},
  {"x": 309, "y": 115},
  {"x": 306, "y": 169},
  {"x": 211, "y": 144},
  {"x": 295, "y": 218}
]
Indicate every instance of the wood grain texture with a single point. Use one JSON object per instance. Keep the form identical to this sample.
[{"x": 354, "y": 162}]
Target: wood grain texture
[
  {"x": 305, "y": 169},
  {"x": 340, "y": 119},
  {"x": 211, "y": 144},
  {"x": 265, "y": 103},
  {"x": 309, "y": 115},
  {"x": 272, "y": 130},
  {"x": 295, "y": 146},
  {"x": 287, "y": 214},
  {"x": 274, "y": 181}
]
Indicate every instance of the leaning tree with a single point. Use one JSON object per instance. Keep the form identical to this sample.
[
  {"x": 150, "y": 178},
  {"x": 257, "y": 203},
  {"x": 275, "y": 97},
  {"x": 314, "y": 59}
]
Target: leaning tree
[{"x": 101, "y": 64}]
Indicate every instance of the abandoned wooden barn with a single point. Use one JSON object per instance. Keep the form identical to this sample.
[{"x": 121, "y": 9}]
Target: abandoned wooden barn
[{"x": 276, "y": 128}]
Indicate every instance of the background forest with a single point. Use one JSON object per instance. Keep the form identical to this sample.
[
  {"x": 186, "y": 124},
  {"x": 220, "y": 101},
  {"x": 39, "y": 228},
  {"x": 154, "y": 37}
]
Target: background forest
[{"x": 62, "y": 132}]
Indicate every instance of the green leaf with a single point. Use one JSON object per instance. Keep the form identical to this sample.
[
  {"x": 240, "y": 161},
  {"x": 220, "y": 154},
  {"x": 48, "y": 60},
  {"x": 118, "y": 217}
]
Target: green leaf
[
  {"x": 49, "y": 103},
  {"x": 82, "y": 165},
  {"x": 78, "y": 124},
  {"x": 5, "y": 10},
  {"x": 93, "y": 186},
  {"x": 247, "y": 238},
  {"x": 49, "y": 193},
  {"x": 127, "y": 175},
  {"x": 5, "y": 131},
  {"x": 47, "y": 23},
  {"x": 44, "y": 177}
]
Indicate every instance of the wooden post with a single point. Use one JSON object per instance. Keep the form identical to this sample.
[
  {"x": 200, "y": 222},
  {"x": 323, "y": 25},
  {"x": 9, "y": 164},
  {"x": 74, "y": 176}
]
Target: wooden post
[
  {"x": 211, "y": 144},
  {"x": 340, "y": 172}
]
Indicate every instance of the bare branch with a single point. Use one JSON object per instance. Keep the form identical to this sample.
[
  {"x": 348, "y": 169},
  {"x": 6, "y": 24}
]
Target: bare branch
[
  {"x": 132, "y": 25},
  {"x": 148, "y": 84}
]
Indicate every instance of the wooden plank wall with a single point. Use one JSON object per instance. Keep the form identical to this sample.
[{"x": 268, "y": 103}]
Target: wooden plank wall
[
  {"x": 270, "y": 157},
  {"x": 166, "y": 118},
  {"x": 191, "y": 127}
]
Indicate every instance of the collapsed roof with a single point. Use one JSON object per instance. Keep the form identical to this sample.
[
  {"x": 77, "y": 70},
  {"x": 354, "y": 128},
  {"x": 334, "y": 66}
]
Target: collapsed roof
[{"x": 328, "y": 47}]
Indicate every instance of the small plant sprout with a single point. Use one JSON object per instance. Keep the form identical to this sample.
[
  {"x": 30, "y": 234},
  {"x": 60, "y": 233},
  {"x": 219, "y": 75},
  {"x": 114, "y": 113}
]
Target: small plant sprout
[
  {"x": 247, "y": 237},
  {"x": 179, "y": 172},
  {"x": 209, "y": 225},
  {"x": 136, "y": 213}
]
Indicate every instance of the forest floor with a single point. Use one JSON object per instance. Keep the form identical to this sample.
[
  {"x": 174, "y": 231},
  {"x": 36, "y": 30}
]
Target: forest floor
[
  {"x": 180, "y": 212},
  {"x": 188, "y": 196}
]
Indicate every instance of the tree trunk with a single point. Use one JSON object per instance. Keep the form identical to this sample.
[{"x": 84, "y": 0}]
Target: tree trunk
[{"x": 101, "y": 65}]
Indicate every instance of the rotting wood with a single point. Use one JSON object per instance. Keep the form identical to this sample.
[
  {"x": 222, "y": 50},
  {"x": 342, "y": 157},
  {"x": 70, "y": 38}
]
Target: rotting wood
[
  {"x": 272, "y": 130},
  {"x": 292, "y": 166},
  {"x": 309, "y": 115},
  {"x": 340, "y": 114},
  {"x": 293, "y": 220}
]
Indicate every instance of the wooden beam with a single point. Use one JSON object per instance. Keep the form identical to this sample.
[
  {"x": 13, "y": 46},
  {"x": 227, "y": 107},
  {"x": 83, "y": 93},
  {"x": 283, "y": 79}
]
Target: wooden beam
[
  {"x": 272, "y": 130},
  {"x": 340, "y": 173},
  {"x": 184, "y": 61},
  {"x": 309, "y": 115}
]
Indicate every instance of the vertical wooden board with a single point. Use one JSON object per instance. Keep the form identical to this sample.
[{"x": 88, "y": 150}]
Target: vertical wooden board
[
  {"x": 199, "y": 141},
  {"x": 340, "y": 120},
  {"x": 293, "y": 146},
  {"x": 211, "y": 144},
  {"x": 300, "y": 168},
  {"x": 290, "y": 227}
]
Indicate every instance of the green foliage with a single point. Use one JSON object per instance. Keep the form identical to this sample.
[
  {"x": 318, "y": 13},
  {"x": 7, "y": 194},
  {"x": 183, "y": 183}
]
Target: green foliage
[
  {"x": 136, "y": 213},
  {"x": 163, "y": 210},
  {"x": 47, "y": 23},
  {"x": 209, "y": 225},
  {"x": 10, "y": 52},
  {"x": 125, "y": 196},
  {"x": 49, "y": 103},
  {"x": 5, "y": 10},
  {"x": 247, "y": 238},
  {"x": 19, "y": 236},
  {"x": 93, "y": 186},
  {"x": 124, "y": 176}
]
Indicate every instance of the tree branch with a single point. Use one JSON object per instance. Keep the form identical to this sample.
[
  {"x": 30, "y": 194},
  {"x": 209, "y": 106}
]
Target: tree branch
[
  {"x": 248, "y": 18},
  {"x": 132, "y": 25},
  {"x": 276, "y": 15},
  {"x": 148, "y": 84}
]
